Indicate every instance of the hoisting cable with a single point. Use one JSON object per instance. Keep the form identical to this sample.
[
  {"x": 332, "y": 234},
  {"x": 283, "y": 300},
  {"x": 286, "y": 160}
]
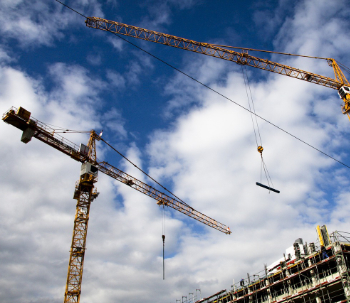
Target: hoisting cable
[
  {"x": 70, "y": 131},
  {"x": 71, "y": 9},
  {"x": 251, "y": 107},
  {"x": 220, "y": 94},
  {"x": 163, "y": 220},
  {"x": 264, "y": 167},
  {"x": 257, "y": 134},
  {"x": 163, "y": 238},
  {"x": 266, "y": 51},
  {"x": 344, "y": 67},
  {"x": 60, "y": 129}
]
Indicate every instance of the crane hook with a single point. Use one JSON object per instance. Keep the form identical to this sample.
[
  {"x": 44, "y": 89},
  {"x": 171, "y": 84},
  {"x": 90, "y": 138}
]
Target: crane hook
[{"x": 163, "y": 237}]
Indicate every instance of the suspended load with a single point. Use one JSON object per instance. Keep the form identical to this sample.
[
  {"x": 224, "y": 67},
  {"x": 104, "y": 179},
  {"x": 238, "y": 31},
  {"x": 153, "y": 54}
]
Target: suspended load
[
  {"x": 260, "y": 150},
  {"x": 267, "y": 187}
]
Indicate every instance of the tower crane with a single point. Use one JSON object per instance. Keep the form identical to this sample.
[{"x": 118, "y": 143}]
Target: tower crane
[
  {"x": 85, "y": 191},
  {"x": 339, "y": 83}
]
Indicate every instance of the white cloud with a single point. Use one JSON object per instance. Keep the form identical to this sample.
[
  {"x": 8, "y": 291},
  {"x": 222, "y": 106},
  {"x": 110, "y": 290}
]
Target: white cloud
[
  {"x": 114, "y": 121},
  {"x": 116, "y": 79},
  {"x": 116, "y": 43},
  {"x": 160, "y": 13},
  {"x": 209, "y": 154},
  {"x": 75, "y": 90},
  {"x": 5, "y": 57},
  {"x": 94, "y": 59},
  {"x": 41, "y": 22},
  {"x": 320, "y": 37},
  {"x": 138, "y": 69}
]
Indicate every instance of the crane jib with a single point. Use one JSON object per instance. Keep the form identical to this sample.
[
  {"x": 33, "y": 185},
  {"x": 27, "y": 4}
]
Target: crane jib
[
  {"x": 21, "y": 119},
  {"x": 218, "y": 52},
  {"x": 224, "y": 52}
]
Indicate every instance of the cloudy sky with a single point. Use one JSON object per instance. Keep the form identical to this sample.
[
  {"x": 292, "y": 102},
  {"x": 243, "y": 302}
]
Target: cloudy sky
[{"x": 198, "y": 144}]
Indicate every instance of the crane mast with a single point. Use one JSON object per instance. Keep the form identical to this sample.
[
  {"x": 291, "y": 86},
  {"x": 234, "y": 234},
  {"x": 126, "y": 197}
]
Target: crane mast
[
  {"x": 85, "y": 192},
  {"x": 340, "y": 82}
]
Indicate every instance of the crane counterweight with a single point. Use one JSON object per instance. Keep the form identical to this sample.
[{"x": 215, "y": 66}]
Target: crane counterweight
[{"x": 344, "y": 94}]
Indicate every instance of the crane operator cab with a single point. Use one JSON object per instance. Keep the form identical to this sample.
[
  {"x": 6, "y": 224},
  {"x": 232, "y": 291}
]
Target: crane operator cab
[
  {"x": 344, "y": 94},
  {"x": 89, "y": 171}
]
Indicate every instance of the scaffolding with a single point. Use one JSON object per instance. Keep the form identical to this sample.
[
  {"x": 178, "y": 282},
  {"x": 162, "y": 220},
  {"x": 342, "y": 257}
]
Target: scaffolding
[{"x": 317, "y": 273}]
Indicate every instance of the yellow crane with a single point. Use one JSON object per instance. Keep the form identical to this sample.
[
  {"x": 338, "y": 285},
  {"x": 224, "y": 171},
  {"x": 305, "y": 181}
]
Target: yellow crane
[
  {"x": 85, "y": 192},
  {"x": 339, "y": 83}
]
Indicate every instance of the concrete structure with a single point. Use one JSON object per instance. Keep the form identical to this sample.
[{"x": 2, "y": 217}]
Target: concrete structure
[{"x": 307, "y": 273}]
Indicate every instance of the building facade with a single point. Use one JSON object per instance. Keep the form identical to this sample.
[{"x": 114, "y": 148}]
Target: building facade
[{"x": 310, "y": 273}]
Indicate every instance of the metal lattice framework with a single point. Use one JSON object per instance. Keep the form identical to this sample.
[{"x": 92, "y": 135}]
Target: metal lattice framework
[
  {"x": 84, "y": 195},
  {"x": 219, "y": 52}
]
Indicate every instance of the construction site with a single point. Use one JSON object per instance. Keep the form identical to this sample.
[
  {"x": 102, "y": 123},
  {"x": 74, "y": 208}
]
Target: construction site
[
  {"x": 307, "y": 273},
  {"x": 314, "y": 272}
]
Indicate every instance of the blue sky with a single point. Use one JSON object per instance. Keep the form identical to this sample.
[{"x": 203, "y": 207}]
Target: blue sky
[{"x": 196, "y": 143}]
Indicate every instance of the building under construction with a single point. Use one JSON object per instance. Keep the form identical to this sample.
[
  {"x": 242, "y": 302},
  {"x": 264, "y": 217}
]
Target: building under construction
[{"x": 307, "y": 273}]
